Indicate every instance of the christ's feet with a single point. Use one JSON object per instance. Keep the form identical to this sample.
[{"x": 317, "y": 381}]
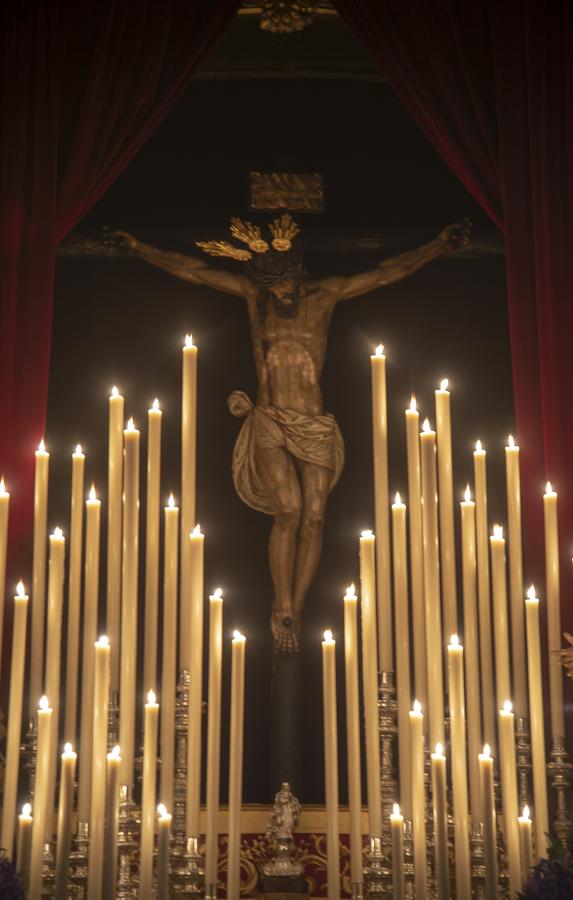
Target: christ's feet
[{"x": 285, "y": 630}]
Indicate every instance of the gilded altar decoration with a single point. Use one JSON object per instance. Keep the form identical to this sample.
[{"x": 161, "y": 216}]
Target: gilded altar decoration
[
  {"x": 286, "y": 190},
  {"x": 287, "y": 16},
  {"x": 280, "y": 834}
]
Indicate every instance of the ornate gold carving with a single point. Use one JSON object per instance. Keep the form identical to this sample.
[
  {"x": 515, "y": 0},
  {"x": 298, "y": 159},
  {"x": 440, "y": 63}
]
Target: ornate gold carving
[
  {"x": 276, "y": 190},
  {"x": 283, "y": 230},
  {"x": 286, "y": 16},
  {"x": 249, "y": 234},
  {"x": 223, "y": 248}
]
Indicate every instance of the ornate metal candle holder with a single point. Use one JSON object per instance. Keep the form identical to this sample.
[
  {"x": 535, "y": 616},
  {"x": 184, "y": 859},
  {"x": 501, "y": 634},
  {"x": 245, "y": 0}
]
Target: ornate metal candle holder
[
  {"x": 357, "y": 890},
  {"x": 29, "y": 748},
  {"x": 127, "y": 843},
  {"x": 78, "y": 862},
  {"x": 523, "y": 757},
  {"x": 48, "y": 871},
  {"x": 477, "y": 860},
  {"x": 560, "y": 769},
  {"x": 388, "y": 720},
  {"x": 376, "y": 872},
  {"x": 113, "y": 719}
]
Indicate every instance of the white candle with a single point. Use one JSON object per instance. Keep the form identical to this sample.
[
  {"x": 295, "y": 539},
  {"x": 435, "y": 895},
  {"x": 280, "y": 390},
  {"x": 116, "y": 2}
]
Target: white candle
[
  {"x": 148, "y": 802},
  {"x": 213, "y": 736},
  {"x": 130, "y": 559},
  {"x": 39, "y": 573},
  {"x": 500, "y": 625},
  {"x": 434, "y": 639},
  {"x": 418, "y": 801},
  {"x": 169, "y": 667},
  {"x": 114, "y": 526},
  {"x": 459, "y": 767},
  {"x": 353, "y": 733},
  {"x": 163, "y": 842},
  {"x": 471, "y": 648},
  {"x": 446, "y": 508},
  {"x": 91, "y": 594},
  {"x": 397, "y": 829},
  {"x": 370, "y": 683},
  {"x": 401, "y": 620},
  {"x": 381, "y": 503},
  {"x": 74, "y": 593},
  {"x": 98, "y": 760},
  {"x": 489, "y": 822},
  {"x": 4, "y": 510},
  {"x": 41, "y": 809},
  {"x": 195, "y": 552},
  {"x": 25, "y": 822},
  {"x": 54, "y": 653},
  {"x": 554, "y": 637},
  {"x": 526, "y": 849},
  {"x": 154, "y": 416},
  {"x": 518, "y": 655},
  {"x": 509, "y": 795},
  {"x": 485, "y": 631},
  {"x": 537, "y": 723},
  {"x": 236, "y": 763},
  {"x": 330, "y": 764},
  {"x": 67, "y": 776},
  {"x": 440, "y": 807},
  {"x": 416, "y": 553},
  {"x": 14, "y": 733},
  {"x": 188, "y": 488},
  {"x": 113, "y": 770}
]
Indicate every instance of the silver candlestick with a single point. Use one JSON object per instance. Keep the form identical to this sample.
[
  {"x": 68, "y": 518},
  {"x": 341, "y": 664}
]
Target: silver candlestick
[
  {"x": 78, "y": 862},
  {"x": 560, "y": 769},
  {"x": 523, "y": 758},
  {"x": 179, "y": 843},
  {"x": 113, "y": 719},
  {"x": 375, "y": 873},
  {"x": 127, "y": 843},
  {"x": 388, "y": 721}
]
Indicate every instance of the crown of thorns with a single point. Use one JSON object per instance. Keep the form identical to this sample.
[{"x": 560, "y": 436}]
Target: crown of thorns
[{"x": 283, "y": 231}]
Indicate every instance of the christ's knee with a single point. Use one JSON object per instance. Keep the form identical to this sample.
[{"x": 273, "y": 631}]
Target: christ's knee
[
  {"x": 313, "y": 522},
  {"x": 288, "y": 517}
]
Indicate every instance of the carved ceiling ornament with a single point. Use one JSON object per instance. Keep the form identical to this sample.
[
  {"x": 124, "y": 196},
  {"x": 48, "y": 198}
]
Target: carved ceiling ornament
[{"x": 287, "y": 16}]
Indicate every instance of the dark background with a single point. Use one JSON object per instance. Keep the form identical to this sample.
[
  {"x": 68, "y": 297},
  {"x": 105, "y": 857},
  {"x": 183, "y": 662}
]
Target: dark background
[{"x": 302, "y": 103}]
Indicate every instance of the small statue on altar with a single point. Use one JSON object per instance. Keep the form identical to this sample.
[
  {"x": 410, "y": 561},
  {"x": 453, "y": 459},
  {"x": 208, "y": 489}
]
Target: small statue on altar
[
  {"x": 289, "y": 453},
  {"x": 280, "y": 830}
]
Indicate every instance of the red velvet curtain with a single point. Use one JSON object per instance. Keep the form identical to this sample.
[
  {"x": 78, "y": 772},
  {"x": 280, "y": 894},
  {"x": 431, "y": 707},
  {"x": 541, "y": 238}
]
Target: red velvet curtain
[
  {"x": 83, "y": 86},
  {"x": 491, "y": 85}
]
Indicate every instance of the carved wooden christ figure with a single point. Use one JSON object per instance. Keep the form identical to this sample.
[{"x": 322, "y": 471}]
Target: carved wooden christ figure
[{"x": 289, "y": 453}]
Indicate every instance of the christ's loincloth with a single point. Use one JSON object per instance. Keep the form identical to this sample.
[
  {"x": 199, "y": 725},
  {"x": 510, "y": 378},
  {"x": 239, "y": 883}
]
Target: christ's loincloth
[{"x": 312, "y": 439}]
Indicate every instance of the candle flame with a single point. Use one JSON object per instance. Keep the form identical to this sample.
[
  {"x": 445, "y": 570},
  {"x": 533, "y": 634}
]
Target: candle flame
[
  {"x": 396, "y": 809},
  {"x": 454, "y": 641},
  {"x": 531, "y": 593},
  {"x": 78, "y": 449},
  {"x": 68, "y": 748},
  {"x": 328, "y": 636},
  {"x": 507, "y": 706},
  {"x": 58, "y": 533},
  {"x": 439, "y": 749},
  {"x": 114, "y": 391},
  {"x": 188, "y": 340},
  {"x": 43, "y": 704},
  {"x": 103, "y": 641},
  {"x": 525, "y": 812},
  {"x": 151, "y": 698},
  {"x": 467, "y": 494},
  {"x": 116, "y": 752},
  {"x": 548, "y": 488},
  {"x": 155, "y": 404},
  {"x": 444, "y": 384},
  {"x": 93, "y": 495},
  {"x": 426, "y": 426},
  {"x": 196, "y": 530},
  {"x": 510, "y": 441},
  {"x": 350, "y": 592},
  {"x": 238, "y": 636},
  {"x": 20, "y": 590},
  {"x": 41, "y": 446},
  {"x": 413, "y": 406},
  {"x": 162, "y": 810},
  {"x": 171, "y": 501},
  {"x": 380, "y": 350},
  {"x": 130, "y": 424},
  {"x": 2, "y": 486},
  {"x": 217, "y": 594},
  {"x": 397, "y": 499},
  {"x": 367, "y": 534},
  {"x": 27, "y": 810},
  {"x": 479, "y": 447},
  {"x": 417, "y": 707},
  {"x": 498, "y": 532},
  {"x": 486, "y": 750}
]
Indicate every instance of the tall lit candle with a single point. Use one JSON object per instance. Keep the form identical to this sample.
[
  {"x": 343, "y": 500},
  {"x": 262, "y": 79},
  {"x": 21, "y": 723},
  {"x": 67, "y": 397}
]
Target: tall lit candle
[
  {"x": 154, "y": 416},
  {"x": 381, "y": 504},
  {"x": 236, "y": 763},
  {"x": 39, "y": 573},
  {"x": 67, "y": 775},
  {"x": 114, "y": 526},
  {"x": 485, "y": 630},
  {"x": 487, "y": 796},
  {"x": 537, "y": 724},
  {"x": 330, "y": 764},
  {"x": 195, "y": 552},
  {"x": 74, "y": 593},
  {"x": 434, "y": 639},
  {"x": 102, "y": 673},
  {"x": 148, "y": 802},
  {"x": 509, "y": 795},
  {"x": 163, "y": 842},
  {"x": 91, "y": 594},
  {"x": 41, "y": 786},
  {"x": 554, "y": 637},
  {"x": 4, "y": 510},
  {"x": 25, "y": 822},
  {"x": 446, "y": 507},
  {"x": 459, "y": 767},
  {"x": 130, "y": 558},
  {"x": 169, "y": 667},
  {"x": 471, "y": 647},
  {"x": 213, "y": 736},
  {"x": 525, "y": 846},
  {"x": 370, "y": 682},
  {"x": 416, "y": 552},
  {"x": 397, "y": 829},
  {"x": 14, "y": 733},
  {"x": 418, "y": 801},
  {"x": 500, "y": 624},
  {"x": 440, "y": 807},
  {"x": 518, "y": 656},
  {"x": 113, "y": 770},
  {"x": 54, "y": 651},
  {"x": 353, "y": 733},
  {"x": 188, "y": 488},
  {"x": 401, "y": 619}
]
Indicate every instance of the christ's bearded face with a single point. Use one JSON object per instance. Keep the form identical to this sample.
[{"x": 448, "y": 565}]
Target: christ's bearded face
[{"x": 285, "y": 293}]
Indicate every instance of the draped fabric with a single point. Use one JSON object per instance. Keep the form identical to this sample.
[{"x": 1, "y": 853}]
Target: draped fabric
[
  {"x": 83, "y": 86},
  {"x": 491, "y": 86}
]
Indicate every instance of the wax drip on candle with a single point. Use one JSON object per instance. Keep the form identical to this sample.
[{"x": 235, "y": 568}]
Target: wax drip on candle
[
  {"x": 467, "y": 494},
  {"x": 507, "y": 706},
  {"x": 328, "y": 637},
  {"x": 498, "y": 532},
  {"x": 151, "y": 698},
  {"x": 417, "y": 707},
  {"x": 58, "y": 533},
  {"x": 439, "y": 749},
  {"x": 531, "y": 593},
  {"x": 27, "y": 810},
  {"x": 413, "y": 406},
  {"x": 93, "y": 495},
  {"x": 238, "y": 636},
  {"x": 44, "y": 704},
  {"x": 426, "y": 426},
  {"x": 197, "y": 530},
  {"x": 20, "y": 590},
  {"x": 78, "y": 450},
  {"x": 444, "y": 384},
  {"x": 479, "y": 447},
  {"x": 188, "y": 340},
  {"x": 350, "y": 592},
  {"x": 380, "y": 350},
  {"x": 130, "y": 425},
  {"x": 155, "y": 405},
  {"x": 41, "y": 446}
]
